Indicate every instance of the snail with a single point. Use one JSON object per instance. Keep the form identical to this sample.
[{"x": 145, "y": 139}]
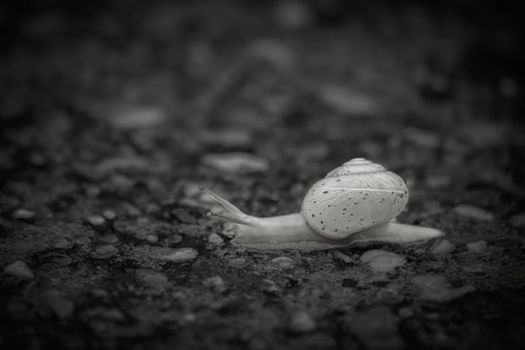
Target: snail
[{"x": 355, "y": 203}]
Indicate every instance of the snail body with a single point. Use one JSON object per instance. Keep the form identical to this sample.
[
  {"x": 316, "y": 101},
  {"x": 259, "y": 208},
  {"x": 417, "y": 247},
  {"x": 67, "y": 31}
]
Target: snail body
[{"x": 355, "y": 203}]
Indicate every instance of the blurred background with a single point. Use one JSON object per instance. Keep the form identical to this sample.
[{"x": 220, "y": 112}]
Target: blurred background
[{"x": 113, "y": 112}]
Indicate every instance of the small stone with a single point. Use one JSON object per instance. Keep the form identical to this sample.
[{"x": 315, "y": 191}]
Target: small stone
[
  {"x": 151, "y": 277},
  {"x": 63, "y": 243},
  {"x": 377, "y": 328},
  {"x": 99, "y": 293},
  {"x": 293, "y": 14},
  {"x": 59, "y": 303},
  {"x": 240, "y": 163},
  {"x": 112, "y": 314},
  {"x": 382, "y": 261},
  {"x": 437, "y": 181},
  {"x": 405, "y": 312},
  {"x": 269, "y": 286},
  {"x": 104, "y": 252},
  {"x": 179, "y": 255},
  {"x": 302, "y": 322},
  {"x": 441, "y": 247},
  {"x": 23, "y": 214},
  {"x": 152, "y": 238},
  {"x": 109, "y": 214},
  {"x": 152, "y": 208},
  {"x": 128, "y": 115},
  {"x": 273, "y": 52},
  {"x": 109, "y": 238},
  {"x": 347, "y": 101},
  {"x": 19, "y": 269},
  {"x": 215, "y": 282},
  {"x": 284, "y": 262},
  {"x": 96, "y": 220},
  {"x": 437, "y": 288},
  {"x": 237, "y": 262},
  {"x": 518, "y": 220},
  {"x": 473, "y": 212},
  {"x": 131, "y": 210},
  {"x": 174, "y": 239},
  {"x": 476, "y": 268},
  {"x": 92, "y": 191},
  {"x": 227, "y": 138},
  {"x": 422, "y": 137},
  {"x": 183, "y": 216},
  {"x": 215, "y": 239},
  {"x": 230, "y": 229},
  {"x": 477, "y": 247},
  {"x": 52, "y": 260},
  {"x": 340, "y": 256}
]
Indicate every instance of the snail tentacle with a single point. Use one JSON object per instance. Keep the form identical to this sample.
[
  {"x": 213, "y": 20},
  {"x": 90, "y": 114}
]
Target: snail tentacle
[{"x": 232, "y": 214}]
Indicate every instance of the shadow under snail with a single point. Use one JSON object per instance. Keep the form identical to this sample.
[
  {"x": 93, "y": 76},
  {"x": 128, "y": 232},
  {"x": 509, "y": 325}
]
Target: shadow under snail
[{"x": 355, "y": 203}]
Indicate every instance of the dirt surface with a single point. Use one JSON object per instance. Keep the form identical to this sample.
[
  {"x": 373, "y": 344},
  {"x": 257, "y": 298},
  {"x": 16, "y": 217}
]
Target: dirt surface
[{"x": 114, "y": 112}]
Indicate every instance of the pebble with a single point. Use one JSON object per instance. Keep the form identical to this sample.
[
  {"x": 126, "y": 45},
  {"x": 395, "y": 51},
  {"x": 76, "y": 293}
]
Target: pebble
[
  {"x": 227, "y": 138},
  {"x": 215, "y": 282},
  {"x": 381, "y": 260},
  {"x": 474, "y": 212},
  {"x": 237, "y": 162},
  {"x": 127, "y": 116},
  {"x": 347, "y": 101},
  {"x": 96, "y": 220},
  {"x": 215, "y": 239},
  {"x": 92, "y": 191},
  {"x": 302, "y": 322},
  {"x": 109, "y": 214},
  {"x": 152, "y": 238},
  {"x": 269, "y": 286},
  {"x": 104, "y": 252},
  {"x": 422, "y": 138},
  {"x": 442, "y": 247},
  {"x": 179, "y": 255},
  {"x": 63, "y": 243},
  {"x": 476, "y": 268},
  {"x": 99, "y": 293},
  {"x": 291, "y": 15},
  {"x": 477, "y": 247},
  {"x": 52, "y": 260},
  {"x": 437, "y": 181},
  {"x": 19, "y": 269},
  {"x": 340, "y": 256},
  {"x": 518, "y": 220},
  {"x": 405, "y": 312},
  {"x": 174, "y": 239},
  {"x": 109, "y": 238},
  {"x": 284, "y": 262},
  {"x": 273, "y": 52},
  {"x": 59, "y": 303},
  {"x": 437, "y": 288},
  {"x": 151, "y": 277},
  {"x": 377, "y": 328},
  {"x": 23, "y": 214},
  {"x": 237, "y": 262},
  {"x": 183, "y": 216}
]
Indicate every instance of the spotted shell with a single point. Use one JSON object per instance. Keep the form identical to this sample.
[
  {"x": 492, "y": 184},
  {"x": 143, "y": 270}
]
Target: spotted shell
[{"x": 357, "y": 195}]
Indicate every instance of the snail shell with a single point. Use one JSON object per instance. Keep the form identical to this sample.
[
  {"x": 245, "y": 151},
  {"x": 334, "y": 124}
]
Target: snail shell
[{"x": 353, "y": 197}]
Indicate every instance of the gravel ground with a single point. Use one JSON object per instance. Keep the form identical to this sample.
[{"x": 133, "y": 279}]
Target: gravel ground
[{"x": 113, "y": 113}]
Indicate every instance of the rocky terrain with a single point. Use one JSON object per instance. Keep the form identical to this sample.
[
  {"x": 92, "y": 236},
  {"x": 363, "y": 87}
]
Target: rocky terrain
[{"x": 113, "y": 113}]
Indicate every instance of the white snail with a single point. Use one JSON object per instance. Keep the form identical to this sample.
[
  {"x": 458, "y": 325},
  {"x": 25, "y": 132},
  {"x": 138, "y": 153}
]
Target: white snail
[{"x": 355, "y": 203}]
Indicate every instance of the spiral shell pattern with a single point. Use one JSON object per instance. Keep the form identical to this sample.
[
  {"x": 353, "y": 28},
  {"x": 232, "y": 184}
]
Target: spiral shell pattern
[{"x": 353, "y": 197}]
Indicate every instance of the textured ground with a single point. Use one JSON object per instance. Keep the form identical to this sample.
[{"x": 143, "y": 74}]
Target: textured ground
[{"x": 112, "y": 115}]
